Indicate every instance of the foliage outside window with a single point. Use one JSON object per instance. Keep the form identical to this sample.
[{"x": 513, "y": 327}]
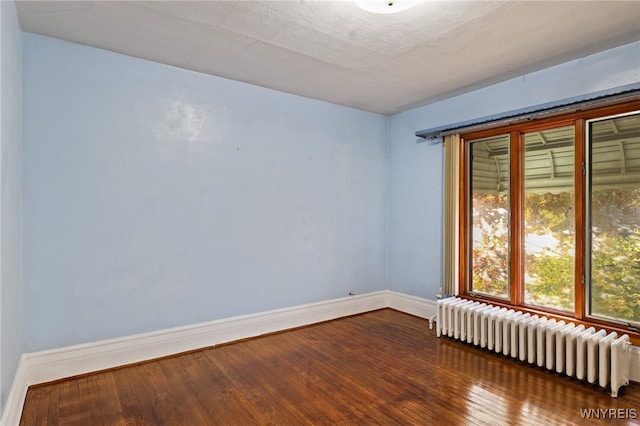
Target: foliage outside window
[
  {"x": 490, "y": 216},
  {"x": 549, "y": 218},
  {"x": 552, "y": 215},
  {"x": 614, "y": 213}
]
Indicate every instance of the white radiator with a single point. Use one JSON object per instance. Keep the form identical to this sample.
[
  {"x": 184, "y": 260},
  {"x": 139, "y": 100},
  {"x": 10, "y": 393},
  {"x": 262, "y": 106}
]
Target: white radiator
[{"x": 576, "y": 351}]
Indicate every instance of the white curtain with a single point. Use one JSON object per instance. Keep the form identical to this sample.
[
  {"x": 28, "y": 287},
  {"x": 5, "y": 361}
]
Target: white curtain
[{"x": 451, "y": 214}]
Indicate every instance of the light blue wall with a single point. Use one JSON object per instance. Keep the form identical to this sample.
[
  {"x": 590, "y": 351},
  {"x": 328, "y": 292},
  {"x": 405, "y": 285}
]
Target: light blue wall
[
  {"x": 157, "y": 197},
  {"x": 415, "y": 165},
  {"x": 10, "y": 196}
]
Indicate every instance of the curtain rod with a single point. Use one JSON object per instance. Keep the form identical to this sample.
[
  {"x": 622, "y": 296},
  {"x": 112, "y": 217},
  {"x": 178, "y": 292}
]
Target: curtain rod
[{"x": 548, "y": 109}]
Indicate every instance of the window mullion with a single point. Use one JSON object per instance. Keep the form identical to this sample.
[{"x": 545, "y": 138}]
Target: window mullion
[
  {"x": 581, "y": 222},
  {"x": 516, "y": 239}
]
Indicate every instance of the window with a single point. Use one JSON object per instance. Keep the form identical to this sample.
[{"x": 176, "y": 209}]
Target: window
[
  {"x": 489, "y": 218},
  {"x": 549, "y": 218},
  {"x": 614, "y": 218},
  {"x": 550, "y": 215}
]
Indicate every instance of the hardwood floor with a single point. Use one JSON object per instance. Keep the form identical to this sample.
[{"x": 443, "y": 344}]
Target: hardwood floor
[{"x": 382, "y": 367}]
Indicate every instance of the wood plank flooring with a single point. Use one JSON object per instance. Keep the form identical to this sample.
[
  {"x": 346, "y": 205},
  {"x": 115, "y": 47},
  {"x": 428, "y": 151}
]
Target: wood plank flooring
[{"x": 382, "y": 367}]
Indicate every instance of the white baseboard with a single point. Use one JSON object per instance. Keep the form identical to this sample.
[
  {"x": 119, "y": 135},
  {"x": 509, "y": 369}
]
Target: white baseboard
[
  {"x": 49, "y": 365},
  {"x": 423, "y": 308},
  {"x": 17, "y": 394},
  {"x": 55, "y": 364}
]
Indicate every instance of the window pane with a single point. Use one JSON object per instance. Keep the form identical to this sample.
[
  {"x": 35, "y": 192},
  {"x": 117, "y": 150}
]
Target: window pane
[
  {"x": 614, "y": 205},
  {"x": 549, "y": 215},
  {"x": 489, "y": 200}
]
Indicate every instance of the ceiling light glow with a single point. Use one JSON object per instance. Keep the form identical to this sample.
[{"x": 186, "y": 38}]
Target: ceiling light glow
[{"x": 385, "y": 6}]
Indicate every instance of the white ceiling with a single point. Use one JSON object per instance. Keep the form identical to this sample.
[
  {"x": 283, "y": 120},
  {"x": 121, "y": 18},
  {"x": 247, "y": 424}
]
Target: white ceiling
[{"x": 336, "y": 52}]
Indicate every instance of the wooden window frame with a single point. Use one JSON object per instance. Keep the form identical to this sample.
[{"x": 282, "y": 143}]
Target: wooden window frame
[{"x": 516, "y": 195}]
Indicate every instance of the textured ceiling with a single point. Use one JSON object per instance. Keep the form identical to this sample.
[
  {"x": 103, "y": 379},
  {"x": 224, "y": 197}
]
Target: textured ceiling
[{"x": 336, "y": 52}]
